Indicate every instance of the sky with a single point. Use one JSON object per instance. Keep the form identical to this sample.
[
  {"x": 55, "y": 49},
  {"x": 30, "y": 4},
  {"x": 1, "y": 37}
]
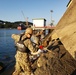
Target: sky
[{"x": 20, "y": 10}]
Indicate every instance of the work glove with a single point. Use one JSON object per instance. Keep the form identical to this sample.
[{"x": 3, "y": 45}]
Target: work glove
[{"x": 40, "y": 51}]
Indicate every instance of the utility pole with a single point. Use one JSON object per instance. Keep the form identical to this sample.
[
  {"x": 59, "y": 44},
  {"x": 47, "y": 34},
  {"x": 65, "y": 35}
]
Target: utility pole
[{"x": 51, "y": 17}]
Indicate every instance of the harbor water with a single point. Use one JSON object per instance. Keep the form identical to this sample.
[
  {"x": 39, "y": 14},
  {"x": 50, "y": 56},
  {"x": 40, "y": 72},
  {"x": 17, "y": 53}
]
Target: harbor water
[{"x": 7, "y": 49}]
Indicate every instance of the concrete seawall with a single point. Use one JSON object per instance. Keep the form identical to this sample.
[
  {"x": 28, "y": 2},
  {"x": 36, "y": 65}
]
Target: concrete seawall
[{"x": 66, "y": 29}]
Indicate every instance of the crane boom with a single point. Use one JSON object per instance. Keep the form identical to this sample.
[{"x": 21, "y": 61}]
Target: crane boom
[{"x": 26, "y": 19}]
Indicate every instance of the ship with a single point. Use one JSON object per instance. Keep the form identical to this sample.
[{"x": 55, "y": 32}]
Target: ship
[{"x": 23, "y": 26}]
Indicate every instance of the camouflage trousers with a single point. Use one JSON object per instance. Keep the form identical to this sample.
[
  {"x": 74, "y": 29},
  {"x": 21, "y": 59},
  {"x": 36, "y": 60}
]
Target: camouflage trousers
[{"x": 22, "y": 64}]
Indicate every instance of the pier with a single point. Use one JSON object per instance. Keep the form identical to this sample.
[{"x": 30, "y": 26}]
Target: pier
[{"x": 43, "y": 27}]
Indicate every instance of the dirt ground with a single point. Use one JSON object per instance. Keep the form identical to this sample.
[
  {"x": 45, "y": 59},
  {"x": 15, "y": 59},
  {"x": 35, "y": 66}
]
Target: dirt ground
[{"x": 57, "y": 61}]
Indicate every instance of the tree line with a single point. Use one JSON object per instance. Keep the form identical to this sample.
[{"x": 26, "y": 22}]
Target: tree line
[{"x": 6, "y": 24}]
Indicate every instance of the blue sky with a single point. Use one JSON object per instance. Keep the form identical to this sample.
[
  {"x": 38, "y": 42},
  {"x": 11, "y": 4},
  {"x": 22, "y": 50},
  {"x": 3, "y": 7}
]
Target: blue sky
[{"x": 19, "y": 10}]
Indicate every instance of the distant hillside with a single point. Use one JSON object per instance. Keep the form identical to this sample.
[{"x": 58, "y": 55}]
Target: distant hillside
[{"x": 6, "y": 24}]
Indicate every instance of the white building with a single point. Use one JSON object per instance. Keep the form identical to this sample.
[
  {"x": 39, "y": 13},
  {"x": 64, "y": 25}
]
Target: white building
[{"x": 39, "y": 23}]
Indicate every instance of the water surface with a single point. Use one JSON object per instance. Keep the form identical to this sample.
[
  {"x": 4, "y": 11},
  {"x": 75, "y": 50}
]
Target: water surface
[{"x": 7, "y": 49}]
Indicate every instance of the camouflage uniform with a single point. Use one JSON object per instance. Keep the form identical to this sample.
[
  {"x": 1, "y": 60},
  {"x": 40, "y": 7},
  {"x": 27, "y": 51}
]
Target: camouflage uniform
[{"x": 22, "y": 59}]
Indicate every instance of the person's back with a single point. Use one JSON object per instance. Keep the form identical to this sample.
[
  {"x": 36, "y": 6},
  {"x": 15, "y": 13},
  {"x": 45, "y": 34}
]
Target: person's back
[{"x": 35, "y": 40}]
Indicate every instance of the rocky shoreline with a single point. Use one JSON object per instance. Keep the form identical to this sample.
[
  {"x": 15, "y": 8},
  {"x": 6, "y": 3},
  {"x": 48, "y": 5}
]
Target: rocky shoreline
[
  {"x": 57, "y": 61},
  {"x": 7, "y": 68}
]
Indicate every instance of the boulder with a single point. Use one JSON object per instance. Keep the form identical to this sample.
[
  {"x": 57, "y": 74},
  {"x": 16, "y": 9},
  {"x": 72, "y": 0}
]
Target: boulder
[{"x": 57, "y": 61}]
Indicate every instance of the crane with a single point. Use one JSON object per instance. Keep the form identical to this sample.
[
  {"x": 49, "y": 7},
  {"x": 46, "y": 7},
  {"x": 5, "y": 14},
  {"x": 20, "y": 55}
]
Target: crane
[{"x": 26, "y": 19}]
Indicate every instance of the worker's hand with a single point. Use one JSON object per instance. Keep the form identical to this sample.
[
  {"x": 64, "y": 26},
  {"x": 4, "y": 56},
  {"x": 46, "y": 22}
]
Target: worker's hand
[
  {"x": 12, "y": 35},
  {"x": 40, "y": 51}
]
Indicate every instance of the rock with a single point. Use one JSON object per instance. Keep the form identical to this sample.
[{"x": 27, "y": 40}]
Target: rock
[
  {"x": 8, "y": 70},
  {"x": 56, "y": 63},
  {"x": 1, "y": 66}
]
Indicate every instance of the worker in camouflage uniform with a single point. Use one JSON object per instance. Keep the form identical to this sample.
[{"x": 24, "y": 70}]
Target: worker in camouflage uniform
[{"x": 22, "y": 58}]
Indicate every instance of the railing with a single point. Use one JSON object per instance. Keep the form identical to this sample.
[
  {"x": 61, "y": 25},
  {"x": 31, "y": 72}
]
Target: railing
[{"x": 43, "y": 27}]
